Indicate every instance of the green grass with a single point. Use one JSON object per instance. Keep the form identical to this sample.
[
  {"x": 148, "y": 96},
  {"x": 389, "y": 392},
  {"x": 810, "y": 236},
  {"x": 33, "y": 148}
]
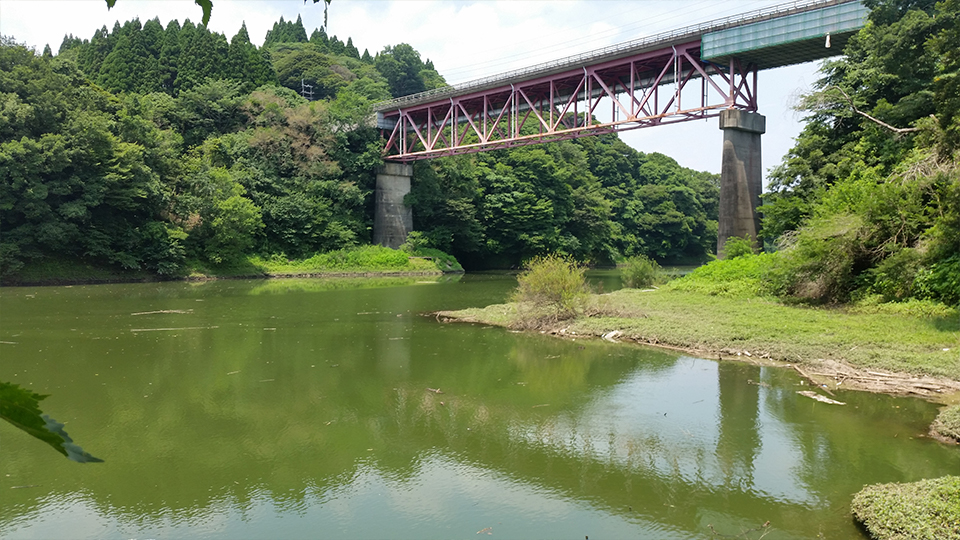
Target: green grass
[
  {"x": 947, "y": 424},
  {"x": 741, "y": 277},
  {"x": 764, "y": 327},
  {"x": 362, "y": 260},
  {"x": 924, "y": 510}
]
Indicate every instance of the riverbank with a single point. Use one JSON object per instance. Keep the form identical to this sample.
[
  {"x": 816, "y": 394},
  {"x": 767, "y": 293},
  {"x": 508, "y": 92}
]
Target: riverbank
[
  {"x": 363, "y": 261},
  {"x": 893, "y": 353}
]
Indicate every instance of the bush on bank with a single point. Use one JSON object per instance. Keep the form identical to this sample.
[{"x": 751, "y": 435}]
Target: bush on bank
[
  {"x": 551, "y": 288},
  {"x": 947, "y": 424},
  {"x": 363, "y": 259},
  {"x": 924, "y": 510},
  {"x": 640, "y": 271},
  {"x": 743, "y": 276}
]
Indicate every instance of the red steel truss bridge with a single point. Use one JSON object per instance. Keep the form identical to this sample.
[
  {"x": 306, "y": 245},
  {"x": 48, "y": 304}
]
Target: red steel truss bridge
[{"x": 688, "y": 74}]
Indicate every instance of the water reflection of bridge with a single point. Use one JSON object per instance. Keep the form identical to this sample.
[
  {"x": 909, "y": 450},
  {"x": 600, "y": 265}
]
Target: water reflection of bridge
[{"x": 685, "y": 484}]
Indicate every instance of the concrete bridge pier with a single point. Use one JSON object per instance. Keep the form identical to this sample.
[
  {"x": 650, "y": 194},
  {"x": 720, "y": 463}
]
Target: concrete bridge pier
[
  {"x": 392, "y": 219},
  {"x": 741, "y": 175}
]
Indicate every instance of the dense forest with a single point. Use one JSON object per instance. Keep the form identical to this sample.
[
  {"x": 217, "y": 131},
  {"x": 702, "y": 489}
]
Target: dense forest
[{"x": 159, "y": 149}]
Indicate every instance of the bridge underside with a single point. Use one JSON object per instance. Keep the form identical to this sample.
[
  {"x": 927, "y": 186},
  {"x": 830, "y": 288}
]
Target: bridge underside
[{"x": 647, "y": 89}]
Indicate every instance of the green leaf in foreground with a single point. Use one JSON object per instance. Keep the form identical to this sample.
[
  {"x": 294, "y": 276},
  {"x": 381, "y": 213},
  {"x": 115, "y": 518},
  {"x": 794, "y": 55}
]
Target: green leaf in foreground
[{"x": 21, "y": 408}]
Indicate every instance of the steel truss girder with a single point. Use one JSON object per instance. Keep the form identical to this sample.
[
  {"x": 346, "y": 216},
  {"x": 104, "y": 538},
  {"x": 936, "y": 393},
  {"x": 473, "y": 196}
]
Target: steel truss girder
[{"x": 643, "y": 90}]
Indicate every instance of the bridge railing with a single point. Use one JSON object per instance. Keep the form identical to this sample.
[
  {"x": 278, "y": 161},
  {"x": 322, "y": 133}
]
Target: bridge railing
[{"x": 609, "y": 51}]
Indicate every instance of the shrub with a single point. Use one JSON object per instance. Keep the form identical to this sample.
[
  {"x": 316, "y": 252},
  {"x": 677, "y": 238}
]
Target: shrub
[
  {"x": 640, "y": 271},
  {"x": 926, "y": 509},
  {"x": 739, "y": 277},
  {"x": 738, "y": 247},
  {"x": 551, "y": 288},
  {"x": 415, "y": 242},
  {"x": 818, "y": 262},
  {"x": 940, "y": 280},
  {"x": 947, "y": 423}
]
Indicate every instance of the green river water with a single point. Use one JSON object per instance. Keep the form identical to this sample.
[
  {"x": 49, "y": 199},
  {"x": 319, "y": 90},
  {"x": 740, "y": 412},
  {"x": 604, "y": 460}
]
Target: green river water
[{"x": 308, "y": 409}]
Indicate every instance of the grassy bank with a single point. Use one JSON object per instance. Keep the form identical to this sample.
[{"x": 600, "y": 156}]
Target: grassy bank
[
  {"x": 763, "y": 328},
  {"x": 755, "y": 328},
  {"x": 924, "y": 510},
  {"x": 358, "y": 261}
]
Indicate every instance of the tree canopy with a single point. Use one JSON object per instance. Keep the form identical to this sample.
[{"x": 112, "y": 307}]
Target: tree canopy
[
  {"x": 868, "y": 200},
  {"x": 157, "y": 147}
]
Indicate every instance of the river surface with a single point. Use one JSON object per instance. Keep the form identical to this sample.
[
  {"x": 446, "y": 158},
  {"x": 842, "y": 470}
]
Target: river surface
[{"x": 336, "y": 409}]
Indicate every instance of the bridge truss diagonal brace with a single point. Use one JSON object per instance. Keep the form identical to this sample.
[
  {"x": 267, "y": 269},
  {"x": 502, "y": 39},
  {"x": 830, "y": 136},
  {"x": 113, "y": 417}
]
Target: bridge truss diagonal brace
[{"x": 643, "y": 90}]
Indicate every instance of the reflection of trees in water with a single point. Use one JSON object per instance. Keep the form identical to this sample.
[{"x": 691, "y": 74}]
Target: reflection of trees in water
[
  {"x": 527, "y": 447},
  {"x": 841, "y": 448},
  {"x": 243, "y": 412},
  {"x": 739, "y": 439},
  {"x": 303, "y": 436}
]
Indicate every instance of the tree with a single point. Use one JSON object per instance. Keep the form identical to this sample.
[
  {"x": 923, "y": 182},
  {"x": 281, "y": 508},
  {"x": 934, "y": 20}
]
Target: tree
[
  {"x": 207, "y": 7},
  {"x": 401, "y": 65},
  {"x": 246, "y": 64}
]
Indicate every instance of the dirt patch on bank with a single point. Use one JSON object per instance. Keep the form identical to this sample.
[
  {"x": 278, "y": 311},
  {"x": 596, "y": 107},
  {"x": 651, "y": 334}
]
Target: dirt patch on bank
[{"x": 834, "y": 375}]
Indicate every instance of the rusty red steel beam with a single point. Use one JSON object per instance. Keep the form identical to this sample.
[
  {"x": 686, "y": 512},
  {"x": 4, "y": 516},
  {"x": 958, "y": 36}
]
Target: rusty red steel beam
[{"x": 644, "y": 90}]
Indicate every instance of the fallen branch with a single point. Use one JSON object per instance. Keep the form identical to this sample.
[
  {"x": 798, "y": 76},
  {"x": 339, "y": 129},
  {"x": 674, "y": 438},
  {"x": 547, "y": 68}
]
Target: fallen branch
[
  {"x": 815, "y": 396},
  {"x": 898, "y": 131}
]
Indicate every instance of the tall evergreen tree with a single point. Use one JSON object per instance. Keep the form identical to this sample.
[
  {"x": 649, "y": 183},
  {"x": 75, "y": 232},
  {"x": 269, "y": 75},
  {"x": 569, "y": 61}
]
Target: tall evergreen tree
[
  {"x": 336, "y": 46},
  {"x": 203, "y": 55},
  {"x": 91, "y": 57},
  {"x": 351, "y": 50},
  {"x": 246, "y": 64},
  {"x": 70, "y": 42},
  {"x": 169, "y": 60},
  {"x": 319, "y": 39}
]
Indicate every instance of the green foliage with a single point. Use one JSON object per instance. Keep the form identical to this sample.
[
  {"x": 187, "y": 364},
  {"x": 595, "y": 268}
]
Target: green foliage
[
  {"x": 550, "y": 288},
  {"x": 200, "y": 159},
  {"x": 947, "y": 423},
  {"x": 924, "y": 510},
  {"x": 416, "y": 241},
  {"x": 360, "y": 259},
  {"x": 404, "y": 71},
  {"x": 286, "y": 32},
  {"x": 639, "y": 272},
  {"x": 862, "y": 209},
  {"x": 873, "y": 235},
  {"x": 595, "y": 199},
  {"x": 418, "y": 245},
  {"x": 740, "y": 277},
  {"x": 235, "y": 223},
  {"x": 738, "y": 247}
]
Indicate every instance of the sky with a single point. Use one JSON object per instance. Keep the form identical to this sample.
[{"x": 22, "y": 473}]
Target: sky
[{"x": 465, "y": 39}]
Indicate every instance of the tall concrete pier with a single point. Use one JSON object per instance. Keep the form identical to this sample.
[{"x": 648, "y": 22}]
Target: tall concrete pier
[
  {"x": 392, "y": 219},
  {"x": 741, "y": 175}
]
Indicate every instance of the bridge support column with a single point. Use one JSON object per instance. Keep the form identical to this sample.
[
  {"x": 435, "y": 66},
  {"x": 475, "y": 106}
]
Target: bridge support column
[
  {"x": 741, "y": 175},
  {"x": 392, "y": 219}
]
